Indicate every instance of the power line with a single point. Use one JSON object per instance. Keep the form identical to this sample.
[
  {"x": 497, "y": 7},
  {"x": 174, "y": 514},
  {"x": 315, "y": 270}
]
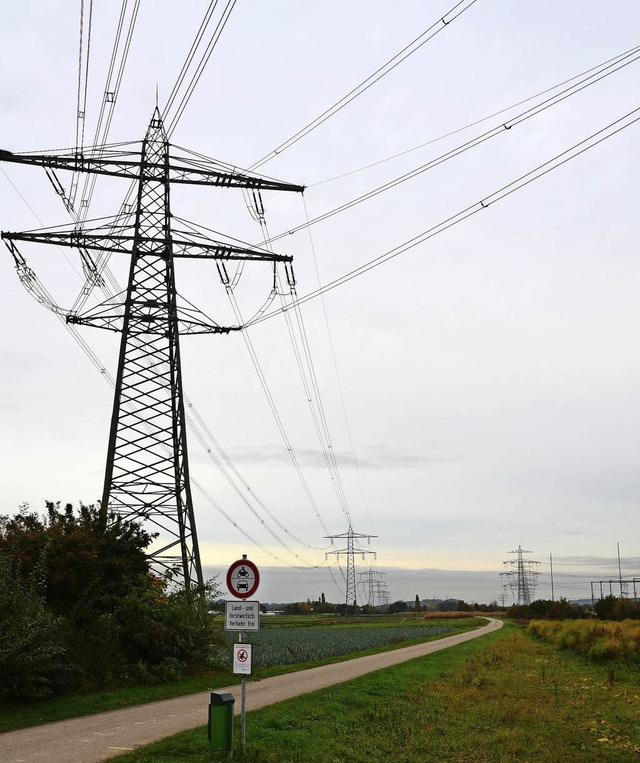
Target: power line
[
  {"x": 304, "y": 360},
  {"x": 474, "y": 123},
  {"x": 389, "y": 66},
  {"x": 335, "y": 367},
  {"x": 201, "y": 66},
  {"x": 501, "y": 129},
  {"x": 521, "y": 182}
]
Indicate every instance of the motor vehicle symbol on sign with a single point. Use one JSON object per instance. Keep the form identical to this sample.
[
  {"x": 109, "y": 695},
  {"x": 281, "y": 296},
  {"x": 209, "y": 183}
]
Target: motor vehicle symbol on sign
[{"x": 243, "y": 578}]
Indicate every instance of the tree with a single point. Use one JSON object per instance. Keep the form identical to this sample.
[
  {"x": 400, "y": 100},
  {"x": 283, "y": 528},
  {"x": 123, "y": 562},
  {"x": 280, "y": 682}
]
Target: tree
[
  {"x": 616, "y": 608},
  {"x": 119, "y": 622},
  {"x": 417, "y": 604},
  {"x": 87, "y": 559},
  {"x": 397, "y": 606}
]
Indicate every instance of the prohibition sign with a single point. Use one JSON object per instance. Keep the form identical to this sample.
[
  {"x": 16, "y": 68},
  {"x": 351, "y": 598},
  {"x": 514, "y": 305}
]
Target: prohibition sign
[
  {"x": 243, "y": 578},
  {"x": 242, "y": 659}
]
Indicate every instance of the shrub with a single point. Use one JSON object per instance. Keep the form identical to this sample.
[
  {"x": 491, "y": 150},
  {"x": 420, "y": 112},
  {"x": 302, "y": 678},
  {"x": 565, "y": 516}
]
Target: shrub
[
  {"x": 601, "y": 641},
  {"x": 32, "y": 654}
]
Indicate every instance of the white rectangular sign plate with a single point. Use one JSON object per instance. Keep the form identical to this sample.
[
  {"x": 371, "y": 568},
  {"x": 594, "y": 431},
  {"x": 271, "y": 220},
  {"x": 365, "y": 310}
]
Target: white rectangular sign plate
[
  {"x": 242, "y": 616},
  {"x": 242, "y": 659}
]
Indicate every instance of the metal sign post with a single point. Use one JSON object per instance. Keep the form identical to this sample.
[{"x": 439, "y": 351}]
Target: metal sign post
[{"x": 243, "y": 580}]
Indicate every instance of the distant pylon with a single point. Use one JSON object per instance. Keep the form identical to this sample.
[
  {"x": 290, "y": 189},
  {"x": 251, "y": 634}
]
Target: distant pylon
[
  {"x": 521, "y": 579},
  {"x": 147, "y": 472},
  {"x": 351, "y": 593},
  {"x": 373, "y": 583}
]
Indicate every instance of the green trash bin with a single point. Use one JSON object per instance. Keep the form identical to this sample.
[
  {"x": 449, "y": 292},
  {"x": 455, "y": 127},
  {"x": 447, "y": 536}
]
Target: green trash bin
[{"x": 221, "y": 720}]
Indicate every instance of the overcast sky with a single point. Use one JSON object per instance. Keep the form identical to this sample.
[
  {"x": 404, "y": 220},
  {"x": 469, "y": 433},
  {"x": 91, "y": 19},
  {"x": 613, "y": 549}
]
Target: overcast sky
[{"x": 486, "y": 380}]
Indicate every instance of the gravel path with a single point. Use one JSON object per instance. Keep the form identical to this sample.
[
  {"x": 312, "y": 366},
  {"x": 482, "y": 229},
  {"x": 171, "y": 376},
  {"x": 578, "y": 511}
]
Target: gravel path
[{"x": 102, "y": 736}]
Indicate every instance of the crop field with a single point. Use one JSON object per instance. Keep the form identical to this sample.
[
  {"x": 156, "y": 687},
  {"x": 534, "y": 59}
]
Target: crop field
[{"x": 287, "y": 646}]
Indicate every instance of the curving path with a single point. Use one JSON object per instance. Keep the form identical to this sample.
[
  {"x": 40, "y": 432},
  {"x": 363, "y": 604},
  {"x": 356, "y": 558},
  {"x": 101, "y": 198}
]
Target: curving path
[{"x": 99, "y": 737}]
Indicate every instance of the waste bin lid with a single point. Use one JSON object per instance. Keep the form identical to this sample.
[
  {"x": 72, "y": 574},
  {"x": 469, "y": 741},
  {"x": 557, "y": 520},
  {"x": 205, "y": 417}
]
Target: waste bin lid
[{"x": 222, "y": 698}]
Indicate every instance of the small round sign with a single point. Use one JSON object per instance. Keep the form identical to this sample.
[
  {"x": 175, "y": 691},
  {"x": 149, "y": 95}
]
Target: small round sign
[{"x": 243, "y": 578}]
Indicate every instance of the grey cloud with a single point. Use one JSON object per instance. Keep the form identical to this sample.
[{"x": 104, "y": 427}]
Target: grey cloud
[{"x": 373, "y": 457}]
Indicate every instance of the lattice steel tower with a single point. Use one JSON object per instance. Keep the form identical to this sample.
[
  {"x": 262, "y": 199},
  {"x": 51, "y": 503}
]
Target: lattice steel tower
[
  {"x": 522, "y": 578},
  {"x": 147, "y": 472},
  {"x": 371, "y": 580},
  {"x": 351, "y": 593}
]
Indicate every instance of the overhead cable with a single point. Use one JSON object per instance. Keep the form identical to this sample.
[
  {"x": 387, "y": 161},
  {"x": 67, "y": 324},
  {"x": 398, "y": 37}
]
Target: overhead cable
[
  {"x": 335, "y": 368},
  {"x": 173, "y": 122},
  {"x": 391, "y": 64},
  {"x": 306, "y": 370},
  {"x": 473, "y": 124},
  {"x": 83, "y": 84},
  {"x": 557, "y": 161},
  {"x": 501, "y": 129}
]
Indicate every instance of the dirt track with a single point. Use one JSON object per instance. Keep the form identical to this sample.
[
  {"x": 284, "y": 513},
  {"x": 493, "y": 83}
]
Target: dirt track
[{"x": 102, "y": 736}]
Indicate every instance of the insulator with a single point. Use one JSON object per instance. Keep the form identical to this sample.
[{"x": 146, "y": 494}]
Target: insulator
[
  {"x": 222, "y": 272},
  {"x": 258, "y": 203},
  {"x": 291, "y": 278},
  {"x": 18, "y": 259},
  {"x": 55, "y": 182}
]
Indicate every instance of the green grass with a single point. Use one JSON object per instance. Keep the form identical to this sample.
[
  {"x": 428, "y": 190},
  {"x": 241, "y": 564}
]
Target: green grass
[
  {"x": 16, "y": 715},
  {"x": 500, "y": 699}
]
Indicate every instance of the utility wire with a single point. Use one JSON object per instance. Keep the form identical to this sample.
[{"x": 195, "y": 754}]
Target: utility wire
[
  {"x": 198, "y": 428},
  {"x": 472, "y": 124},
  {"x": 83, "y": 84},
  {"x": 110, "y": 97},
  {"x": 201, "y": 66},
  {"x": 596, "y": 74},
  {"x": 308, "y": 376},
  {"x": 276, "y": 415},
  {"x": 389, "y": 66},
  {"x": 190, "y": 55},
  {"x": 335, "y": 368},
  {"x": 523, "y": 116},
  {"x": 557, "y": 161}
]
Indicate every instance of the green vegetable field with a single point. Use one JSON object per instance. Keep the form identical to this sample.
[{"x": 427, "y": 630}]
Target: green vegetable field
[{"x": 287, "y": 646}]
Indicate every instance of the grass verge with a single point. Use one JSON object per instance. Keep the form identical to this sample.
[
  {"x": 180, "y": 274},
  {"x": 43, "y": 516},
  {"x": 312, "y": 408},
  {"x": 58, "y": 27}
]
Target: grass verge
[{"x": 503, "y": 698}]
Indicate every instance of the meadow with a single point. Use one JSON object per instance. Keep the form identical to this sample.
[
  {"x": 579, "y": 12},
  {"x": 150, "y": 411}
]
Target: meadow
[
  {"x": 509, "y": 696},
  {"x": 602, "y": 642}
]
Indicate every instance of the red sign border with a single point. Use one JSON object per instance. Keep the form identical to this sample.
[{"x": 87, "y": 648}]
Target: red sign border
[{"x": 253, "y": 568}]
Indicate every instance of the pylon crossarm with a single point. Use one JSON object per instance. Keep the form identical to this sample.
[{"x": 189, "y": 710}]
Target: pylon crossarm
[
  {"x": 123, "y": 244},
  {"x": 131, "y": 169},
  {"x": 114, "y": 321}
]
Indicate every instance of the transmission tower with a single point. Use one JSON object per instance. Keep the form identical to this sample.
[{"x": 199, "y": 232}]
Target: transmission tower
[
  {"x": 351, "y": 593},
  {"x": 372, "y": 581},
  {"x": 147, "y": 472},
  {"x": 521, "y": 577}
]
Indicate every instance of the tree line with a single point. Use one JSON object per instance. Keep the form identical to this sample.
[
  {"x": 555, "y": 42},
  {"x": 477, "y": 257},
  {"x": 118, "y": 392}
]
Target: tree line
[{"x": 80, "y": 608}]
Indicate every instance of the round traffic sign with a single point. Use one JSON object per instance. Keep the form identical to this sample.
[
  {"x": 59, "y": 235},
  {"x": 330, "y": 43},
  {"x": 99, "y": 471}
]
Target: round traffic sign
[{"x": 243, "y": 578}]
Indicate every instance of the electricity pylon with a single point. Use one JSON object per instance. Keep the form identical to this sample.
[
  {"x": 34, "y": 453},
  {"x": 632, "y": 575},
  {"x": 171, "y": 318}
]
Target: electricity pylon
[
  {"x": 522, "y": 579},
  {"x": 372, "y": 580},
  {"x": 147, "y": 471},
  {"x": 351, "y": 594}
]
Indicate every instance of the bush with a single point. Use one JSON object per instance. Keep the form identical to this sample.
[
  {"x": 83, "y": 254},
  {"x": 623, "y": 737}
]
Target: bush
[
  {"x": 616, "y": 608},
  {"x": 599, "y": 641},
  {"x": 32, "y": 654},
  {"x": 79, "y": 604}
]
